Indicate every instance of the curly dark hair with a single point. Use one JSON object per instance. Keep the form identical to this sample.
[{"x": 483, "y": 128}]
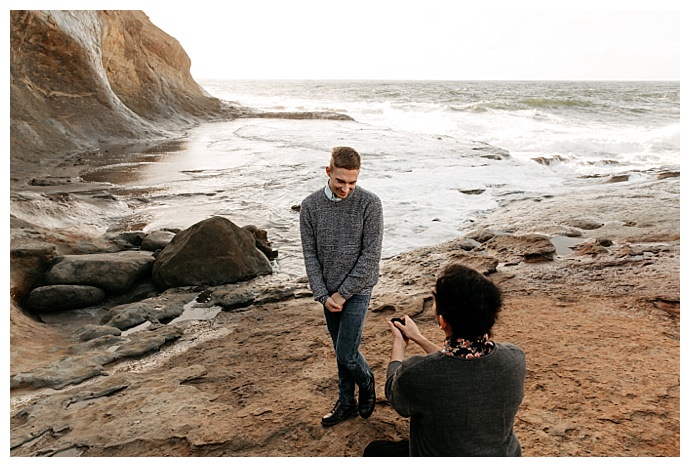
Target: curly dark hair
[{"x": 468, "y": 300}]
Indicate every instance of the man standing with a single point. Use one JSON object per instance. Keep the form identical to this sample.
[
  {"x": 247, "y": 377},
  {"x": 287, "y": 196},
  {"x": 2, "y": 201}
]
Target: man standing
[{"x": 342, "y": 232}]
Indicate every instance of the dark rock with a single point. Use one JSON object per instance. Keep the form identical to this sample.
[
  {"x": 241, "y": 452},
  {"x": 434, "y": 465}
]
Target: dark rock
[
  {"x": 69, "y": 370},
  {"x": 486, "y": 151},
  {"x": 157, "y": 240},
  {"x": 212, "y": 252},
  {"x": 605, "y": 242},
  {"x": 128, "y": 315},
  {"x": 493, "y": 157},
  {"x": 467, "y": 244},
  {"x": 233, "y": 299},
  {"x": 141, "y": 290},
  {"x": 548, "y": 160},
  {"x": 132, "y": 238},
  {"x": 147, "y": 343},
  {"x": 475, "y": 191},
  {"x": 665, "y": 175},
  {"x": 618, "y": 178},
  {"x": 86, "y": 248},
  {"x": 262, "y": 243},
  {"x": 64, "y": 297},
  {"x": 98, "y": 344},
  {"x": 302, "y": 115},
  {"x": 50, "y": 181},
  {"x": 113, "y": 272}
]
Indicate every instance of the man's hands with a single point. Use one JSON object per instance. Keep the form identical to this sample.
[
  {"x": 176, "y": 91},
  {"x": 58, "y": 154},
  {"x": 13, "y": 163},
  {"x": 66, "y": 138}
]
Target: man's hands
[
  {"x": 407, "y": 329},
  {"x": 403, "y": 333},
  {"x": 335, "y": 303}
]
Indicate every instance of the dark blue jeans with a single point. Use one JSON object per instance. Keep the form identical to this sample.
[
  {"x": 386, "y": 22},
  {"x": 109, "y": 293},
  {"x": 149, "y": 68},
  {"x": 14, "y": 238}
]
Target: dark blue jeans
[{"x": 346, "y": 328}]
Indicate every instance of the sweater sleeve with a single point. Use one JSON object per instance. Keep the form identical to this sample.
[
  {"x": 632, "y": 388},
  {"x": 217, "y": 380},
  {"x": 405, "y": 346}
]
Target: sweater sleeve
[
  {"x": 394, "y": 392},
  {"x": 367, "y": 264},
  {"x": 311, "y": 259}
]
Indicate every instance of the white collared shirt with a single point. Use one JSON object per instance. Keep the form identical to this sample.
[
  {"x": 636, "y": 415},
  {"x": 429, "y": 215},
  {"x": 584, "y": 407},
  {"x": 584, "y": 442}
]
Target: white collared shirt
[{"x": 330, "y": 195}]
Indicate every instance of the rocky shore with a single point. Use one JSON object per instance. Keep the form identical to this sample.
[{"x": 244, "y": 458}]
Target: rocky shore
[
  {"x": 592, "y": 290},
  {"x": 146, "y": 366}
]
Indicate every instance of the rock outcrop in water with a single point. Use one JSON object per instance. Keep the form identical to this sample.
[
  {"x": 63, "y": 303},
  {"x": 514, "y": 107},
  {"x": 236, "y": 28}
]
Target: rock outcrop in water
[{"x": 80, "y": 80}]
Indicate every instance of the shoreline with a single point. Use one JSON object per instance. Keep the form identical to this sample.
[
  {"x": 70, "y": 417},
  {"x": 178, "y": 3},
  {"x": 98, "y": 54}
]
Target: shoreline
[
  {"x": 589, "y": 268},
  {"x": 600, "y": 326},
  {"x": 561, "y": 214}
]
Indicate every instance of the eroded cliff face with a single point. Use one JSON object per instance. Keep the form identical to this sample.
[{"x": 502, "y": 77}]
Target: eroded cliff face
[{"x": 80, "y": 80}]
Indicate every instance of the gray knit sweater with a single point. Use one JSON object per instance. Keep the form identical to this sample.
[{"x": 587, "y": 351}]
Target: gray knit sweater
[
  {"x": 341, "y": 242},
  {"x": 460, "y": 407}
]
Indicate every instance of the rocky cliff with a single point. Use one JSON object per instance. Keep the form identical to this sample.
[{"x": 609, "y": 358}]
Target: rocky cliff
[{"x": 82, "y": 80}]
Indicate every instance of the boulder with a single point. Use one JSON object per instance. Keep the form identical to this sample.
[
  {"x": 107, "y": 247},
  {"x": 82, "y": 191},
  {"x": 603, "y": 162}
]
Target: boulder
[
  {"x": 64, "y": 297},
  {"x": 113, "y": 272},
  {"x": 262, "y": 243},
  {"x": 157, "y": 240},
  {"x": 214, "y": 251}
]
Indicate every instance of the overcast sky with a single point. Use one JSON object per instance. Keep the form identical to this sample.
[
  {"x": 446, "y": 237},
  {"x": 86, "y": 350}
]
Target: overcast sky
[
  {"x": 420, "y": 39},
  {"x": 426, "y": 39}
]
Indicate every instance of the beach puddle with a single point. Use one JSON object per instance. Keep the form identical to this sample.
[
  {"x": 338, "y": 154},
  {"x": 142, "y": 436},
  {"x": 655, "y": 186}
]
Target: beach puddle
[
  {"x": 192, "y": 312},
  {"x": 564, "y": 245}
]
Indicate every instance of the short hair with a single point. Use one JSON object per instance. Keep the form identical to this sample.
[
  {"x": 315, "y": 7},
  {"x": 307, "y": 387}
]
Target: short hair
[
  {"x": 345, "y": 157},
  {"x": 468, "y": 300}
]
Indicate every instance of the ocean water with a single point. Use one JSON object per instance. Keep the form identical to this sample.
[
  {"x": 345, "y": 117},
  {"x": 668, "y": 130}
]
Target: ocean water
[{"x": 419, "y": 145}]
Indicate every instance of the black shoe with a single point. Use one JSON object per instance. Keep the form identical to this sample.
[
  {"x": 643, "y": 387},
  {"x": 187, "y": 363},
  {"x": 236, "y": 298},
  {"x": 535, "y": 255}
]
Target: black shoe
[
  {"x": 339, "y": 413},
  {"x": 367, "y": 399}
]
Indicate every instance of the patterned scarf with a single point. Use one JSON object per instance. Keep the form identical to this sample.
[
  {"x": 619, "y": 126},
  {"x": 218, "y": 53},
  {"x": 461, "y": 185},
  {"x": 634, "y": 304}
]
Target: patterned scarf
[{"x": 461, "y": 348}]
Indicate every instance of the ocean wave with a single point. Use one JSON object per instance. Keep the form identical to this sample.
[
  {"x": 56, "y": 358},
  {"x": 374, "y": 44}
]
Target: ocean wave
[{"x": 587, "y": 119}]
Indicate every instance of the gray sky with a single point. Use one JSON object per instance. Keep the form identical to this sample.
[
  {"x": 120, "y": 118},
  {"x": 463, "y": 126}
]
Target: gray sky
[
  {"x": 420, "y": 39},
  {"x": 427, "y": 39}
]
